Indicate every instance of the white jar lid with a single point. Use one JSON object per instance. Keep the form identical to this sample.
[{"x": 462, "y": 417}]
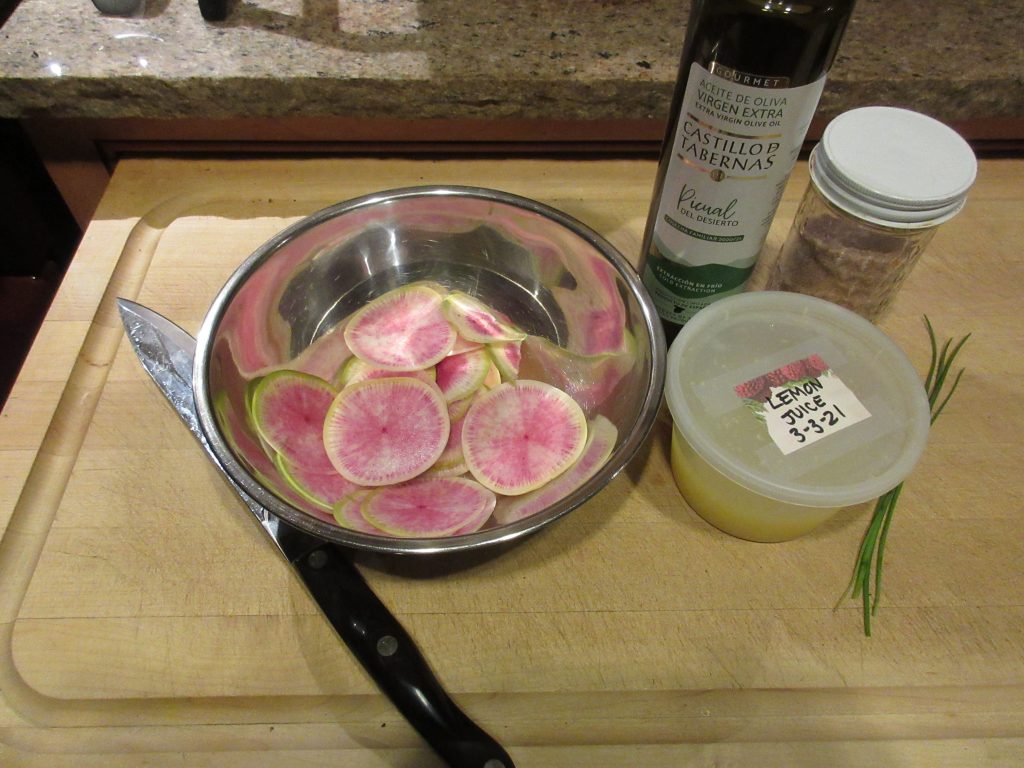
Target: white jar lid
[
  {"x": 893, "y": 167},
  {"x": 747, "y": 338}
]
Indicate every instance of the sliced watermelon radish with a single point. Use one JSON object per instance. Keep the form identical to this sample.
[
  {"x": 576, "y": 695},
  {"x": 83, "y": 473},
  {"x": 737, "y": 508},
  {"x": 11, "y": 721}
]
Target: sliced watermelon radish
[
  {"x": 475, "y": 321},
  {"x": 289, "y": 409},
  {"x": 432, "y": 421},
  {"x": 463, "y": 345},
  {"x": 403, "y": 330},
  {"x": 385, "y": 431},
  {"x": 257, "y": 456},
  {"x": 348, "y": 371},
  {"x": 459, "y": 408},
  {"x": 452, "y": 461},
  {"x": 348, "y": 513},
  {"x": 476, "y": 523},
  {"x": 324, "y": 489},
  {"x": 459, "y": 376},
  {"x": 520, "y": 435},
  {"x": 601, "y": 437},
  {"x": 428, "y": 506},
  {"x": 356, "y": 370},
  {"x": 507, "y": 355}
]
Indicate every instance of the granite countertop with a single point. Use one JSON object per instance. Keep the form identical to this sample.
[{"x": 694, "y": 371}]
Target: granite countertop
[{"x": 411, "y": 59}]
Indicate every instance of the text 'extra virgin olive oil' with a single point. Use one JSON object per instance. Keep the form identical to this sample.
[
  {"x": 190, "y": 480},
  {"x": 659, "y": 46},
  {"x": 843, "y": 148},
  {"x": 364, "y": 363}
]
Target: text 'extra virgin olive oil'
[{"x": 751, "y": 74}]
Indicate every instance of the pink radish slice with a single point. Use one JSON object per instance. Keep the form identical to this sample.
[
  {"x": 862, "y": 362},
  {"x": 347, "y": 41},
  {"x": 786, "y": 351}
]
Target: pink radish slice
[
  {"x": 452, "y": 461},
  {"x": 385, "y": 431},
  {"x": 324, "y": 489},
  {"x": 601, "y": 437},
  {"x": 348, "y": 513},
  {"x": 258, "y": 458},
  {"x": 506, "y": 356},
  {"x": 520, "y": 435},
  {"x": 355, "y": 371},
  {"x": 428, "y": 506},
  {"x": 403, "y": 330},
  {"x": 289, "y": 409},
  {"x": 459, "y": 376},
  {"x": 475, "y": 321}
]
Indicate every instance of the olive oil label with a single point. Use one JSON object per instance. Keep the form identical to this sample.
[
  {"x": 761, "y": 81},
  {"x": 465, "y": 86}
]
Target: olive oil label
[
  {"x": 736, "y": 141},
  {"x": 801, "y": 403}
]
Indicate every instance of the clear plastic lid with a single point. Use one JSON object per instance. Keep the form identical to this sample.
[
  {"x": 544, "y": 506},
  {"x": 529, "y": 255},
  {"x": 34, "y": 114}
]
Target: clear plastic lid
[
  {"x": 893, "y": 167},
  {"x": 797, "y": 399}
]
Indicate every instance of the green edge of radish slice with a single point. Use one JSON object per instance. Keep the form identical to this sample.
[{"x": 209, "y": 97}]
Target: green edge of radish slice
[
  {"x": 348, "y": 513},
  {"x": 475, "y": 321},
  {"x": 506, "y": 356},
  {"x": 321, "y": 488},
  {"x": 356, "y": 370},
  {"x": 459, "y": 376}
]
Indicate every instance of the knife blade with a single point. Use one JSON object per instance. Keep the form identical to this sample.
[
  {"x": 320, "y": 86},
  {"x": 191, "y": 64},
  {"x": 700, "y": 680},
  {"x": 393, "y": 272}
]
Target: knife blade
[{"x": 375, "y": 637}]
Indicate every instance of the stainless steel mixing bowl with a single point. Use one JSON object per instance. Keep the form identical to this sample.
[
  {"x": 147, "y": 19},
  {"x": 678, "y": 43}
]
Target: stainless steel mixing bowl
[{"x": 553, "y": 276}]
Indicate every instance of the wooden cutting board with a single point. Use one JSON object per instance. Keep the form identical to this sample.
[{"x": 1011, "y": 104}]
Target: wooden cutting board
[{"x": 146, "y": 621}]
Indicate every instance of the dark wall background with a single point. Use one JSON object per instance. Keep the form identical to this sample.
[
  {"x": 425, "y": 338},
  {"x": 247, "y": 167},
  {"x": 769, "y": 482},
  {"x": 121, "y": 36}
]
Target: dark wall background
[{"x": 37, "y": 239}]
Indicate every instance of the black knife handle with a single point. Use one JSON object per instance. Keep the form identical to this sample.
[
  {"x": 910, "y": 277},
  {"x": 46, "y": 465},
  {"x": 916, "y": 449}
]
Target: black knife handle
[
  {"x": 214, "y": 10},
  {"x": 386, "y": 651}
]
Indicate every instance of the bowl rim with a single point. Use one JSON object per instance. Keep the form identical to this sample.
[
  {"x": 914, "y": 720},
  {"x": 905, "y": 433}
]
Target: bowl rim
[{"x": 620, "y": 458}]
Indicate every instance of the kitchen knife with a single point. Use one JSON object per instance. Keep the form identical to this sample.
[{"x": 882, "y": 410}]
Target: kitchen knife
[{"x": 374, "y": 636}]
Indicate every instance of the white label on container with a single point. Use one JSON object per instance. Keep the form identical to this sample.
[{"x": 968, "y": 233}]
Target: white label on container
[{"x": 801, "y": 403}]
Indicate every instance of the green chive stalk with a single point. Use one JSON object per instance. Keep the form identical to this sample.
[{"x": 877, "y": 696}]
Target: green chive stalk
[{"x": 871, "y": 556}]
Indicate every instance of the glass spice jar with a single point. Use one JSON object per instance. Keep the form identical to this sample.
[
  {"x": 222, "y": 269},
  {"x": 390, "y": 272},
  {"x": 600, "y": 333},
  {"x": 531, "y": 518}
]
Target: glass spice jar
[{"x": 882, "y": 180}]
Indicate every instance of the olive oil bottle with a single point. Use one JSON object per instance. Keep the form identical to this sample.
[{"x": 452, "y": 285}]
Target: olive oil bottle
[{"x": 750, "y": 78}]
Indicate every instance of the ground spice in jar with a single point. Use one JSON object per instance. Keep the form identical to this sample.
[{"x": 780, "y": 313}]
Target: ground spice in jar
[
  {"x": 848, "y": 262},
  {"x": 882, "y": 181}
]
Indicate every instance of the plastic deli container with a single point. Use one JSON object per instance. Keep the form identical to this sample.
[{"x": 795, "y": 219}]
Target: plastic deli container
[{"x": 787, "y": 408}]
